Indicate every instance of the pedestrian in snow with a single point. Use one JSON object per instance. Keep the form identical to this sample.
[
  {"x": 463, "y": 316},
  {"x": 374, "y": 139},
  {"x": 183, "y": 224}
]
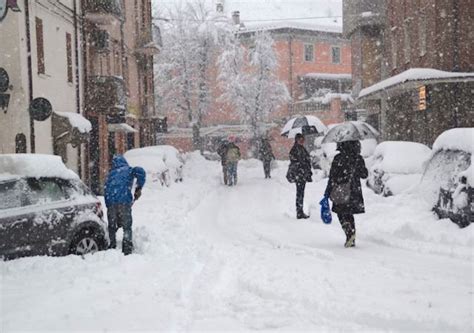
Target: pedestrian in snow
[
  {"x": 299, "y": 172},
  {"x": 222, "y": 152},
  {"x": 232, "y": 159},
  {"x": 344, "y": 187},
  {"x": 265, "y": 154},
  {"x": 119, "y": 199}
]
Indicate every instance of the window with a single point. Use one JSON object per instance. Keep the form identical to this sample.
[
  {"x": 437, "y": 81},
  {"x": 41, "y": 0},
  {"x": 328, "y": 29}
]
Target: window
[
  {"x": 69, "y": 57},
  {"x": 40, "y": 46},
  {"x": 422, "y": 33},
  {"x": 10, "y": 195},
  {"x": 336, "y": 55},
  {"x": 308, "y": 52},
  {"x": 43, "y": 191},
  {"x": 406, "y": 41},
  {"x": 20, "y": 143},
  {"x": 393, "y": 48}
]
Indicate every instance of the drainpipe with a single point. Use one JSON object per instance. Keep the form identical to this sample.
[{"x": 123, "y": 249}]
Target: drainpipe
[
  {"x": 30, "y": 75},
  {"x": 456, "y": 66},
  {"x": 78, "y": 97}
]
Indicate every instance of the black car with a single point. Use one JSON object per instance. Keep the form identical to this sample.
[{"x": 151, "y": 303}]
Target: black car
[{"x": 48, "y": 216}]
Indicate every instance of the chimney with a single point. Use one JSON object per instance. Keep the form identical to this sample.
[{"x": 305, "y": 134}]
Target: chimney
[
  {"x": 236, "y": 17},
  {"x": 219, "y": 7}
]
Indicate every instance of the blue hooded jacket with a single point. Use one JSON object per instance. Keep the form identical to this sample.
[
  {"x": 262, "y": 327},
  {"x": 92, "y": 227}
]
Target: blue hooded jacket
[{"x": 118, "y": 187}]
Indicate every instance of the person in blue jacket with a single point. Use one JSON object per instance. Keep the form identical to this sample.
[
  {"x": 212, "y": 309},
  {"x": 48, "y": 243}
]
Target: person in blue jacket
[{"x": 119, "y": 199}]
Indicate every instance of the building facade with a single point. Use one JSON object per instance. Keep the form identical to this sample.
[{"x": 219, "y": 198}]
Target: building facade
[
  {"x": 42, "y": 105},
  {"x": 423, "y": 57},
  {"x": 315, "y": 66},
  {"x": 118, "y": 76}
]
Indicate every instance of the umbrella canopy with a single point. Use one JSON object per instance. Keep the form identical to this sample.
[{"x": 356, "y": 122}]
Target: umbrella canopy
[
  {"x": 304, "y": 125},
  {"x": 349, "y": 131}
]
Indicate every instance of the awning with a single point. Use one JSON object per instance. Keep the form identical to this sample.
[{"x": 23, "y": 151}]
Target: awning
[
  {"x": 70, "y": 127},
  {"x": 121, "y": 128},
  {"x": 411, "y": 79}
]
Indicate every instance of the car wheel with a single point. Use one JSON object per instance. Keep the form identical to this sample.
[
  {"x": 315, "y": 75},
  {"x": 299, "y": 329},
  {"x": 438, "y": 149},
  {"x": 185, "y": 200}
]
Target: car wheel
[{"x": 86, "y": 241}]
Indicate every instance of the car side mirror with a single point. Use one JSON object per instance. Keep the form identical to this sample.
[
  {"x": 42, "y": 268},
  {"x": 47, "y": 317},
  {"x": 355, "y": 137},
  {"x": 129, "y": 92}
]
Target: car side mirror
[{"x": 463, "y": 180}]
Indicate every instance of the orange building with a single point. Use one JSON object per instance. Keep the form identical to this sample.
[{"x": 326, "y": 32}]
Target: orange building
[{"x": 315, "y": 65}]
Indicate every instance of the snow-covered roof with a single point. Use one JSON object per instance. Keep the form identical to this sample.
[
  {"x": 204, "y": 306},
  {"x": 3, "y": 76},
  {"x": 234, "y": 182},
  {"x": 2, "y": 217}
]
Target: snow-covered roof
[
  {"x": 258, "y": 26},
  {"x": 77, "y": 120},
  {"x": 456, "y": 139},
  {"x": 328, "y": 76},
  {"x": 326, "y": 99},
  {"x": 34, "y": 166},
  {"x": 415, "y": 74}
]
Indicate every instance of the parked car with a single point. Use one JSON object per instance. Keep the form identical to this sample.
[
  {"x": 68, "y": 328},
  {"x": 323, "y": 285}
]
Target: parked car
[
  {"x": 45, "y": 209},
  {"x": 164, "y": 164},
  {"x": 449, "y": 176},
  {"x": 397, "y": 166}
]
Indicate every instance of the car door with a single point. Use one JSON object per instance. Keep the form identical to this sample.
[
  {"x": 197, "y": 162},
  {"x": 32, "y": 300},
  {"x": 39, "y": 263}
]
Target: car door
[
  {"x": 50, "y": 212},
  {"x": 15, "y": 221}
]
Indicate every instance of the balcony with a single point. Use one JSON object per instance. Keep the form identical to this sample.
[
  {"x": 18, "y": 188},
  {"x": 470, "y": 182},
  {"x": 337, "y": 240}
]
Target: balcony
[
  {"x": 145, "y": 45},
  {"x": 103, "y": 12},
  {"x": 106, "y": 95},
  {"x": 362, "y": 13}
]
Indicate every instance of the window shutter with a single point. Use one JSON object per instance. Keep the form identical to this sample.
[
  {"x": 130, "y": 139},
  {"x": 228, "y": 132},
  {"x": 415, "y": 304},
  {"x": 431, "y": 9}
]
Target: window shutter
[{"x": 40, "y": 45}]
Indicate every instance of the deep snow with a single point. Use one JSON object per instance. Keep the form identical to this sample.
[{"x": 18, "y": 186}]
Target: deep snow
[{"x": 212, "y": 257}]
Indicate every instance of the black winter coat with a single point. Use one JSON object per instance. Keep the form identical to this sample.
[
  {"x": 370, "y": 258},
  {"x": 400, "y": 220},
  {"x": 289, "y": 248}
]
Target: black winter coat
[
  {"x": 299, "y": 170},
  {"x": 265, "y": 152},
  {"x": 344, "y": 165}
]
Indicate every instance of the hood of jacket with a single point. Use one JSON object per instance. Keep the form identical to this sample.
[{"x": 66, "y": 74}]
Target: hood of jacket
[{"x": 119, "y": 162}]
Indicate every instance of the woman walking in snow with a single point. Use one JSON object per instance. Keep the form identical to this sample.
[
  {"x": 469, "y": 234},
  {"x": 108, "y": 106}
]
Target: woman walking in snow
[
  {"x": 344, "y": 187},
  {"x": 299, "y": 172},
  {"x": 232, "y": 159}
]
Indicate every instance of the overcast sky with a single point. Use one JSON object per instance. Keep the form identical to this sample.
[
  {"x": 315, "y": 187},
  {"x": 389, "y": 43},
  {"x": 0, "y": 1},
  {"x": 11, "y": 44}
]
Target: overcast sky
[{"x": 274, "y": 9}]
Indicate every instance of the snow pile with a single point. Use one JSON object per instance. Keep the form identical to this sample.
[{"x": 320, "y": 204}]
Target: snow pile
[
  {"x": 327, "y": 98},
  {"x": 158, "y": 161},
  {"x": 209, "y": 257},
  {"x": 455, "y": 139},
  {"x": 401, "y": 157},
  {"x": 77, "y": 121},
  {"x": 35, "y": 166},
  {"x": 328, "y": 76},
  {"x": 414, "y": 74}
]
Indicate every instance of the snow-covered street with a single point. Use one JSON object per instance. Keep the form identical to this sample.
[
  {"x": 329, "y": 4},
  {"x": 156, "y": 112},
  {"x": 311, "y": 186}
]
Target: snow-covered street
[{"x": 209, "y": 257}]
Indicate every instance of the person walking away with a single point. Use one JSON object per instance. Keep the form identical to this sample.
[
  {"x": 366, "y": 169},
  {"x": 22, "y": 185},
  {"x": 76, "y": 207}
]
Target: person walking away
[
  {"x": 299, "y": 172},
  {"x": 266, "y": 155},
  {"x": 119, "y": 199},
  {"x": 222, "y": 152},
  {"x": 344, "y": 187},
  {"x": 232, "y": 159}
]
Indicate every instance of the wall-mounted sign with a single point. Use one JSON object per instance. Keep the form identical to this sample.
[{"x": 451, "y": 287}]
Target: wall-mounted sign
[
  {"x": 40, "y": 109},
  {"x": 422, "y": 98}
]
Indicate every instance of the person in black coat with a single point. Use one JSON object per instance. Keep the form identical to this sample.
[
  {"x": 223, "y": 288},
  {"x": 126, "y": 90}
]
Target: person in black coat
[
  {"x": 265, "y": 154},
  {"x": 299, "y": 172},
  {"x": 347, "y": 168},
  {"x": 222, "y": 152}
]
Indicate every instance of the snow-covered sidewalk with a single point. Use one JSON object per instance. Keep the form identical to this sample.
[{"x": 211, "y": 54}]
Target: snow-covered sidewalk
[{"x": 211, "y": 257}]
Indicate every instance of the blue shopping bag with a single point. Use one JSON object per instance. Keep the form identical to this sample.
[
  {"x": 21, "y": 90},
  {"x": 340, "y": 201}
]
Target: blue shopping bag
[{"x": 325, "y": 210}]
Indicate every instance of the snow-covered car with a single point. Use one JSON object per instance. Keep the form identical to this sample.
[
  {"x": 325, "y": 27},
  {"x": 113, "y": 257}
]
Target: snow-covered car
[
  {"x": 449, "y": 176},
  {"x": 45, "y": 209},
  {"x": 397, "y": 166},
  {"x": 163, "y": 164}
]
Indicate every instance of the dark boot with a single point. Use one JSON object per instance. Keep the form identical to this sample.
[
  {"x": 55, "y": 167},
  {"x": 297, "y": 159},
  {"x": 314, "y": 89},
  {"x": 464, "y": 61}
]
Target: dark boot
[
  {"x": 350, "y": 234},
  {"x": 127, "y": 247},
  {"x": 301, "y": 215}
]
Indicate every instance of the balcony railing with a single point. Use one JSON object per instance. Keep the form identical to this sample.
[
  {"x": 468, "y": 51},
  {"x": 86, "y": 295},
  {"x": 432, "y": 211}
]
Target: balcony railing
[
  {"x": 103, "y": 11},
  {"x": 106, "y": 95}
]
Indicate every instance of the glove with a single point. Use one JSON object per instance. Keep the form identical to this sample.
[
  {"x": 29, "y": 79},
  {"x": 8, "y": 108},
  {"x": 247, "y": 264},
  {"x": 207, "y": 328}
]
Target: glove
[{"x": 138, "y": 194}]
